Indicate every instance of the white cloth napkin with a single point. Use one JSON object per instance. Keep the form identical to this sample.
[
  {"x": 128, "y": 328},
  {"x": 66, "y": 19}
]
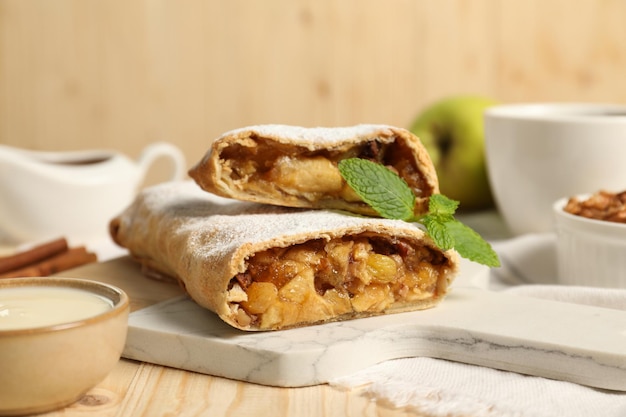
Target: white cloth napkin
[{"x": 439, "y": 388}]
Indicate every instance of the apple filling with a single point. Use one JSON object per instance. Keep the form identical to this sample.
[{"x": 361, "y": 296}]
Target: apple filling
[
  {"x": 269, "y": 168},
  {"x": 323, "y": 280}
]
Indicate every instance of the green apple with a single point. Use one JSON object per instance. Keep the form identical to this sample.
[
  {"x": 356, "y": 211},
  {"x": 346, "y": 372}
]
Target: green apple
[{"x": 452, "y": 131}]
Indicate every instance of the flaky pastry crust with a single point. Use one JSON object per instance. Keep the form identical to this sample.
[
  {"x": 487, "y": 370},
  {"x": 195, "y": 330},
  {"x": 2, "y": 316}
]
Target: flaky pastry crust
[
  {"x": 297, "y": 167},
  {"x": 213, "y": 246}
]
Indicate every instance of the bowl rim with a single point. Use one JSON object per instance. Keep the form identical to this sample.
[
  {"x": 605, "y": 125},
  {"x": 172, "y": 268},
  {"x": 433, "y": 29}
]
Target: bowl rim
[
  {"x": 599, "y": 113},
  {"x": 558, "y": 208},
  {"x": 121, "y": 301}
]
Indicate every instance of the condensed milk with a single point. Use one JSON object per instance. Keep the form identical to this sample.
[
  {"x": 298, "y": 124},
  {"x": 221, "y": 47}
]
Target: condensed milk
[{"x": 26, "y": 307}]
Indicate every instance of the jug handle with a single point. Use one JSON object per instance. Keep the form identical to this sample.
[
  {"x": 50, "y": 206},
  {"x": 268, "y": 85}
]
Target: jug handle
[{"x": 163, "y": 149}]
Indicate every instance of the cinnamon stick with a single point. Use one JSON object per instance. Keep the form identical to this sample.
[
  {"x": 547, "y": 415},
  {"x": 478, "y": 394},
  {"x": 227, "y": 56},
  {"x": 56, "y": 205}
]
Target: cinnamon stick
[
  {"x": 71, "y": 258},
  {"x": 32, "y": 256}
]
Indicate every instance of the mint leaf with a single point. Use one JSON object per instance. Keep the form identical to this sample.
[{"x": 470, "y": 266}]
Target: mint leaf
[
  {"x": 447, "y": 232},
  {"x": 379, "y": 187},
  {"x": 440, "y": 212},
  {"x": 470, "y": 245},
  {"x": 392, "y": 198},
  {"x": 439, "y": 204},
  {"x": 438, "y": 231}
]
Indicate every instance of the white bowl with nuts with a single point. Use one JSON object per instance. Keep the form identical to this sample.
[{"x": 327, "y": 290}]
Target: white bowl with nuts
[{"x": 591, "y": 239}]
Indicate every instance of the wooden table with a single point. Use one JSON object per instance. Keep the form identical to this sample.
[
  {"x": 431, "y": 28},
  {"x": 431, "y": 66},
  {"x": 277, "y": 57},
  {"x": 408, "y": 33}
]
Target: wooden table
[{"x": 141, "y": 389}]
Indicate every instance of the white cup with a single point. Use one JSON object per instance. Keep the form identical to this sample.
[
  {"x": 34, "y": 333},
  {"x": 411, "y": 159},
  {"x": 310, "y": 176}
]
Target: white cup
[{"x": 538, "y": 153}]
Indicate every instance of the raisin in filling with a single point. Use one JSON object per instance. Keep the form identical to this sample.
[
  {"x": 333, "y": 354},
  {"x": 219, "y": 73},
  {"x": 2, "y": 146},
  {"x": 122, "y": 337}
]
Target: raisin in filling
[{"x": 320, "y": 280}]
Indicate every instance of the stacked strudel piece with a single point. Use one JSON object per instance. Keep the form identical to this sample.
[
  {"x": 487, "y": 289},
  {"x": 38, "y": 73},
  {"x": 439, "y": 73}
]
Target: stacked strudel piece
[{"x": 269, "y": 236}]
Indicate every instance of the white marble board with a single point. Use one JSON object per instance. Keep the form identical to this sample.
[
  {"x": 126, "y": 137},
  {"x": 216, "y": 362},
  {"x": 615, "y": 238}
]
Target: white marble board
[{"x": 581, "y": 344}]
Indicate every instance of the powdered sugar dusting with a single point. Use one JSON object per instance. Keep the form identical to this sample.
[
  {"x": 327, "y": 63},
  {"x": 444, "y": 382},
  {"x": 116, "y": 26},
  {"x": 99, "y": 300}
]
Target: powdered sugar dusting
[
  {"x": 214, "y": 226},
  {"x": 205, "y": 241},
  {"x": 319, "y": 135}
]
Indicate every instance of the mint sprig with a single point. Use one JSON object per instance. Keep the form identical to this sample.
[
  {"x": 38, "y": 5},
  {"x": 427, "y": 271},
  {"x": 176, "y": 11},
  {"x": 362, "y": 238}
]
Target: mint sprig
[
  {"x": 392, "y": 198},
  {"x": 382, "y": 189}
]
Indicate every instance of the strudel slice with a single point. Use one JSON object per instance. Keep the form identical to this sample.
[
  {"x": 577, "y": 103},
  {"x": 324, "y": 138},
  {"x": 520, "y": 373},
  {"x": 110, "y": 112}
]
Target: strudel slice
[
  {"x": 262, "y": 267},
  {"x": 297, "y": 167}
]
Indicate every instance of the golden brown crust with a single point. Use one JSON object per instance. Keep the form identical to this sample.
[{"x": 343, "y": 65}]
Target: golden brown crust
[
  {"x": 214, "y": 171},
  {"x": 204, "y": 241}
]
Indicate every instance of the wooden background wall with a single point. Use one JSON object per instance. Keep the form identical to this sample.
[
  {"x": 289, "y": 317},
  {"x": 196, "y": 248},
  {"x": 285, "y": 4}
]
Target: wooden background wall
[{"x": 123, "y": 73}]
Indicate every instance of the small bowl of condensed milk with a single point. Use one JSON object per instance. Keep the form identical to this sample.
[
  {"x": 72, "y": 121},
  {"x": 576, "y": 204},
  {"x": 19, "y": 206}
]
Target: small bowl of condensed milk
[{"x": 59, "y": 337}]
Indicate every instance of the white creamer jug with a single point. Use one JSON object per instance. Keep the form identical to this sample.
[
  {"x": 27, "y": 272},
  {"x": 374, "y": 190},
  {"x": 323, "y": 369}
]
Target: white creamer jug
[{"x": 72, "y": 194}]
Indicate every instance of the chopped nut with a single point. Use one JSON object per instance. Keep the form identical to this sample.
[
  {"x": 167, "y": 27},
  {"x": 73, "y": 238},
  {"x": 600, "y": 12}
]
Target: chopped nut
[
  {"x": 603, "y": 205},
  {"x": 236, "y": 294},
  {"x": 241, "y": 316}
]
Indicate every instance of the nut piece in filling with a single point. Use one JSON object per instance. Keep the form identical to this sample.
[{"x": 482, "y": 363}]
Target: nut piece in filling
[{"x": 324, "y": 280}]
